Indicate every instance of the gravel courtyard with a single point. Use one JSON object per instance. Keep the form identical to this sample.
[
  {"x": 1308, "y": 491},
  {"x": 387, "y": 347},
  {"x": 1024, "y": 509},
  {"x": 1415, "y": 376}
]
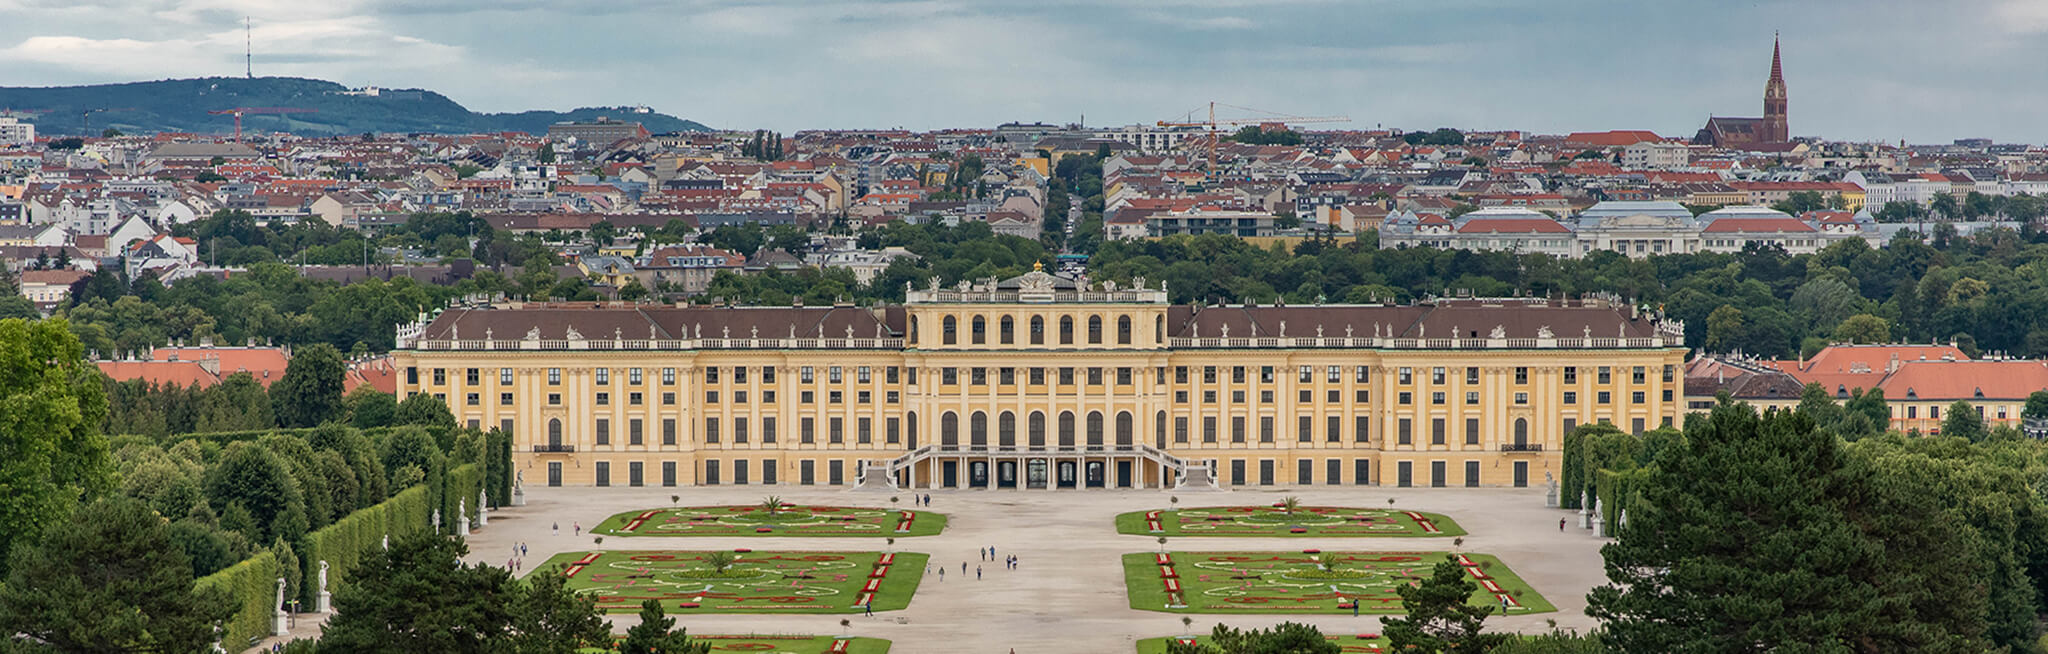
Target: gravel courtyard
[{"x": 1067, "y": 594}]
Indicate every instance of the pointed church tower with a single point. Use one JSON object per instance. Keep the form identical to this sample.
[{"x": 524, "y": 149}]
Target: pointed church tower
[{"x": 1776, "y": 129}]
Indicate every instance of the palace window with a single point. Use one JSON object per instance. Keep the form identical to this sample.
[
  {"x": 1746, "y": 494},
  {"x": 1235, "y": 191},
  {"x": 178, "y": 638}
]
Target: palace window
[
  {"x": 980, "y": 330},
  {"x": 1472, "y": 375},
  {"x": 948, "y": 331},
  {"x": 554, "y": 376},
  {"x": 505, "y": 376},
  {"x": 1038, "y": 330},
  {"x": 1007, "y": 331},
  {"x": 1436, "y": 375},
  {"x": 604, "y": 376},
  {"x": 1123, "y": 330},
  {"x": 1066, "y": 330},
  {"x": 633, "y": 376},
  {"x": 1095, "y": 330},
  {"x": 668, "y": 375}
]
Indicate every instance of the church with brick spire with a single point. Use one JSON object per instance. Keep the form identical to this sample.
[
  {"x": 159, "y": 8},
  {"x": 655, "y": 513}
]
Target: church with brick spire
[{"x": 1766, "y": 133}]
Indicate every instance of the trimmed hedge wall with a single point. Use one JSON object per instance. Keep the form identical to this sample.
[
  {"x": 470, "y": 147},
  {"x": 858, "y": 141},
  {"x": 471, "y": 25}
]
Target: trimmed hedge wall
[
  {"x": 462, "y": 484},
  {"x": 253, "y": 582},
  {"x": 253, "y": 585},
  {"x": 344, "y": 543}
]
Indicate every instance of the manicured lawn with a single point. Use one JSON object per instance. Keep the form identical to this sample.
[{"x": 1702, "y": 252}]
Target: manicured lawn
[
  {"x": 1269, "y": 521},
  {"x": 774, "y": 644},
  {"x": 791, "y": 520},
  {"x": 1294, "y": 582},
  {"x": 1349, "y": 642},
  {"x": 757, "y": 582}
]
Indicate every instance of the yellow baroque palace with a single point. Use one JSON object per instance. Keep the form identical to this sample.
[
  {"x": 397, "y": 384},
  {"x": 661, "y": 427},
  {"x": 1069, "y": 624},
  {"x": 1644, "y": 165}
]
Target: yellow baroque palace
[{"x": 1042, "y": 382}]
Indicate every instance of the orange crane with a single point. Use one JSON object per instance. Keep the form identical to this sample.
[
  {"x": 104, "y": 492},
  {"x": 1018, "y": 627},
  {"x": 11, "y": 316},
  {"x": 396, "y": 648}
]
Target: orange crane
[
  {"x": 238, "y": 112},
  {"x": 1214, "y": 124}
]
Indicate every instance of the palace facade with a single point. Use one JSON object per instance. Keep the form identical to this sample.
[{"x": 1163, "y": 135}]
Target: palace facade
[{"x": 1040, "y": 382}]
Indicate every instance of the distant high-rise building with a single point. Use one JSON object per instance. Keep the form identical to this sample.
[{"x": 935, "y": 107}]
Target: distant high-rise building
[{"x": 1774, "y": 128}]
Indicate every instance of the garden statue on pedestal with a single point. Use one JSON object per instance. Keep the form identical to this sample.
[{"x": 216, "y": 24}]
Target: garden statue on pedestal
[
  {"x": 434, "y": 521},
  {"x": 278, "y": 620},
  {"x": 1550, "y": 496},
  {"x": 1586, "y": 511},
  {"x": 519, "y": 489},
  {"x": 1599, "y": 521},
  {"x": 461, "y": 516},
  {"x": 324, "y": 603},
  {"x": 481, "y": 509}
]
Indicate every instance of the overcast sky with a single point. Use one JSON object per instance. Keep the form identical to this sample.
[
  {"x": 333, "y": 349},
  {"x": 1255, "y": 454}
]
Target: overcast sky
[{"x": 1922, "y": 70}]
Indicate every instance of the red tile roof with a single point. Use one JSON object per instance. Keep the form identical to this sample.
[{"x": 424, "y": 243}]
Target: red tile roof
[
  {"x": 1965, "y": 380},
  {"x": 181, "y": 374},
  {"x": 266, "y": 364}
]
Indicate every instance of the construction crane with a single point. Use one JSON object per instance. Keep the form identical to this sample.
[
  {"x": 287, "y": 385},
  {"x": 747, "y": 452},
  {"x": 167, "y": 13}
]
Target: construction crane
[
  {"x": 238, "y": 112},
  {"x": 1215, "y": 124},
  {"x": 85, "y": 117}
]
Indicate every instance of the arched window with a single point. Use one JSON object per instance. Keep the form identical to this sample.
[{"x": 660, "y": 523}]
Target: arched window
[
  {"x": 913, "y": 330},
  {"x": 1008, "y": 333},
  {"x": 1159, "y": 330},
  {"x": 554, "y": 432},
  {"x": 1159, "y": 431},
  {"x": 1123, "y": 330},
  {"x": 1095, "y": 330},
  {"x": 1035, "y": 430},
  {"x": 1095, "y": 429},
  {"x": 1006, "y": 430},
  {"x": 1124, "y": 427},
  {"x": 1066, "y": 330},
  {"x": 1066, "y": 430},
  {"x": 1521, "y": 432},
  {"x": 949, "y": 331},
  {"x": 1038, "y": 330},
  {"x": 910, "y": 429},
  {"x": 949, "y": 430},
  {"x": 980, "y": 330},
  {"x": 977, "y": 430}
]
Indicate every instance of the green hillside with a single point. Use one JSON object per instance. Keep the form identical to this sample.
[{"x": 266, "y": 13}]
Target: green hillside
[{"x": 180, "y": 105}]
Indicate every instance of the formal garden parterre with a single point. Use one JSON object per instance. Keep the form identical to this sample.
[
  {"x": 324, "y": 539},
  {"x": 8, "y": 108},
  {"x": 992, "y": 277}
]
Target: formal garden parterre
[
  {"x": 1281, "y": 521},
  {"x": 1308, "y": 581},
  {"x": 743, "y": 580},
  {"x": 1366, "y": 642},
  {"x": 782, "y": 520}
]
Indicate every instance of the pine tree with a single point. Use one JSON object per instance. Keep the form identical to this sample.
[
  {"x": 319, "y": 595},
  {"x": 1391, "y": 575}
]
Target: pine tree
[
  {"x": 1440, "y": 617},
  {"x": 1756, "y": 533}
]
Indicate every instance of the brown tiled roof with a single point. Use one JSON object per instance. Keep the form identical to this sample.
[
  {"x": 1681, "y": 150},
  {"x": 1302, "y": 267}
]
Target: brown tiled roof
[
  {"x": 604, "y": 321},
  {"x": 1445, "y": 319}
]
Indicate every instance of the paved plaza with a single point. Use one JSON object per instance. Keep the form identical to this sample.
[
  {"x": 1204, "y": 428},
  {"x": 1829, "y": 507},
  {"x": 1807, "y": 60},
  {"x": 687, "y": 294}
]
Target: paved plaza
[{"x": 1067, "y": 594}]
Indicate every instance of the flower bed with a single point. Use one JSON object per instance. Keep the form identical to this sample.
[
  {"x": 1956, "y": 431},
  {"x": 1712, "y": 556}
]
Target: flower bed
[
  {"x": 757, "y": 582},
  {"x": 1303, "y": 522},
  {"x": 789, "y": 520},
  {"x": 1370, "y": 643},
  {"x": 1294, "y": 582}
]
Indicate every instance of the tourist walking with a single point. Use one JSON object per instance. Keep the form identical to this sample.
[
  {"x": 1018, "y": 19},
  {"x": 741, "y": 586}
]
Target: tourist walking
[
  {"x": 579, "y": 529},
  {"x": 963, "y": 567},
  {"x": 557, "y": 527},
  {"x": 942, "y": 574},
  {"x": 977, "y": 577},
  {"x": 1560, "y": 524},
  {"x": 869, "y": 607}
]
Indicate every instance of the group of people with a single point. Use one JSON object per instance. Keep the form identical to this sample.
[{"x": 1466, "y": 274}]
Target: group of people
[
  {"x": 518, "y": 559},
  {"x": 987, "y": 554},
  {"x": 921, "y": 500}
]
